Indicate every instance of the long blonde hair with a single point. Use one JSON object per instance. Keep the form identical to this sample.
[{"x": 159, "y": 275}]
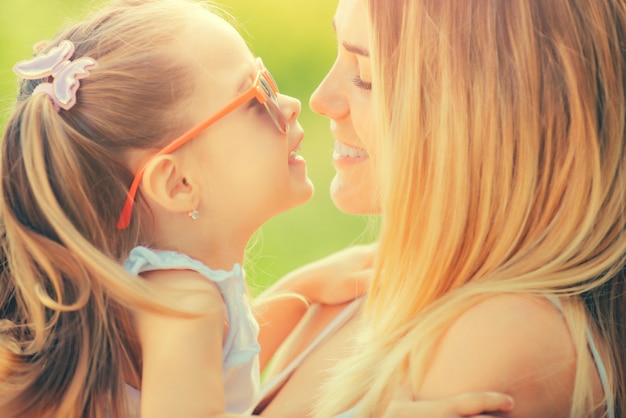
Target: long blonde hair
[
  {"x": 503, "y": 145},
  {"x": 66, "y": 340}
]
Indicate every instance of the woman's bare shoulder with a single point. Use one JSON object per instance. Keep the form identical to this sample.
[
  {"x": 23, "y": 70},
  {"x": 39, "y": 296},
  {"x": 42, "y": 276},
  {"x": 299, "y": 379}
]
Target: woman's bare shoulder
[{"x": 516, "y": 344}]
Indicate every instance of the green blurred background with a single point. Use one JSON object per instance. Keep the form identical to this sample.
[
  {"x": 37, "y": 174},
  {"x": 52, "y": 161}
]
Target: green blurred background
[{"x": 297, "y": 43}]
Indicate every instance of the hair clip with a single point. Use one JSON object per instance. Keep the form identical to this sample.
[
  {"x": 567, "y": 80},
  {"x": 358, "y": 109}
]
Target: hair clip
[
  {"x": 65, "y": 73},
  {"x": 39, "y": 46}
]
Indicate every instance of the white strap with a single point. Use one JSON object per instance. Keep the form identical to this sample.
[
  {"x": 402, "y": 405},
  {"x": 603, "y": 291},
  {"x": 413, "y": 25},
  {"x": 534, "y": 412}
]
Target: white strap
[
  {"x": 337, "y": 322},
  {"x": 610, "y": 407}
]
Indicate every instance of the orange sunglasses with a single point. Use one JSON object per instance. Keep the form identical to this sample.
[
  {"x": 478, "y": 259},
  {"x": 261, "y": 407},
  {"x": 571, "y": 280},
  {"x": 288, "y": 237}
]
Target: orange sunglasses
[{"x": 263, "y": 89}]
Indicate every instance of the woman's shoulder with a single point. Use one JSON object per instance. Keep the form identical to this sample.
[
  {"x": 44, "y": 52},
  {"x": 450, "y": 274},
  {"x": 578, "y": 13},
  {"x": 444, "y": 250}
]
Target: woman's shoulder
[
  {"x": 517, "y": 344},
  {"x": 501, "y": 312},
  {"x": 521, "y": 331}
]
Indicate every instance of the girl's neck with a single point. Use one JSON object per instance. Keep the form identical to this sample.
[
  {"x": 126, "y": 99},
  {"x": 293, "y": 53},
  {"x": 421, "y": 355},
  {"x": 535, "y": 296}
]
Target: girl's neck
[
  {"x": 218, "y": 253},
  {"x": 219, "y": 246},
  {"x": 218, "y": 258}
]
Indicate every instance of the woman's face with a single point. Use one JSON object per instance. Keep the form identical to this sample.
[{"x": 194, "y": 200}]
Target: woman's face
[{"x": 344, "y": 98}]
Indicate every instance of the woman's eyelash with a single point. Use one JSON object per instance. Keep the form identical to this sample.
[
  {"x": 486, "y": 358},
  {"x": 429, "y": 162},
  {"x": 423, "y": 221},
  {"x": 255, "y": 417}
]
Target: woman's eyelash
[{"x": 361, "y": 84}]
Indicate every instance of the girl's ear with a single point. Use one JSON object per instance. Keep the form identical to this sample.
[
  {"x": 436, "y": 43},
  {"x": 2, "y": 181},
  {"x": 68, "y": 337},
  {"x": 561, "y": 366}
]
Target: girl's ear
[{"x": 165, "y": 183}]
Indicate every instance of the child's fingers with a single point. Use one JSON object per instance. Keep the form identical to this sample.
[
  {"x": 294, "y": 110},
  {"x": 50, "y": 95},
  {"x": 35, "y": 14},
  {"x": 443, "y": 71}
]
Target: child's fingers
[
  {"x": 362, "y": 280},
  {"x": 475, "y": 405},
  {"x": 369, "y": 252},
  {"x": 403, "y": 393},
  {"x": 353, "y": 285},
  {"x": 479, "y": 416},
  {"x": 470, "y": 404}
]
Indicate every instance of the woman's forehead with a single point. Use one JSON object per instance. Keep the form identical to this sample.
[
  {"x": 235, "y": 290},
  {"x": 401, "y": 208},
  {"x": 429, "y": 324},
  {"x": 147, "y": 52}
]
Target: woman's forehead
[{"x": 350, "y": 22}]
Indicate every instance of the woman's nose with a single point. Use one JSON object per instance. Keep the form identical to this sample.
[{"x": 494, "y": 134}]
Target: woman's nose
[{"x": 328, "y": 98}]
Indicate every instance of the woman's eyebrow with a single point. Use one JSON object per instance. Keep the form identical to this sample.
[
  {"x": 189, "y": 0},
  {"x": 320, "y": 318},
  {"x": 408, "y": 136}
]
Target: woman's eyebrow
[{"x": 355, "y": 49}]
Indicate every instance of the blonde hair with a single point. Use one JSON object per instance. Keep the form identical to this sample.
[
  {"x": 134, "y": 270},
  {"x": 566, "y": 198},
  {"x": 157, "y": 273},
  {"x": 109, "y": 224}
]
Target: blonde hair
[
  {"x": 502, "y": 136},
  {"x": 66, "y": 340}
]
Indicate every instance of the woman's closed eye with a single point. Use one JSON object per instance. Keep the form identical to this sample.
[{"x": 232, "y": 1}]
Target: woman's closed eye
[{"x": 362, "y": 84}]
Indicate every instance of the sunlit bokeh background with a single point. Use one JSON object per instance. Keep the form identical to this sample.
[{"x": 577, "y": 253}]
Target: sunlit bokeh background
[{"x": 297, "y": 43}]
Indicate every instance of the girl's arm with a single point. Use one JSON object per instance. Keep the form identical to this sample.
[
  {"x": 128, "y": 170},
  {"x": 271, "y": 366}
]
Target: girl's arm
[
  {"x": 182, "y": 356},
  {"x": 334, "y": 279},
  {"x": 297, "y": 396},
  {"x": 478, "y": 405}
]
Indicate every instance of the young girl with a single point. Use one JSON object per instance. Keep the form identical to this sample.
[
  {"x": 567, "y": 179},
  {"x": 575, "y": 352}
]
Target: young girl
[
  {"x": 146, "y": 136},
  {"x": 111, "y": 103}
]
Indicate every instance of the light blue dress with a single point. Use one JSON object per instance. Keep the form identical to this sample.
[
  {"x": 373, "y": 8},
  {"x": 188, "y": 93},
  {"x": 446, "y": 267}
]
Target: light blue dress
[
  {"x": 610, "y": 406},
  {"x": 240, "y": 360}
]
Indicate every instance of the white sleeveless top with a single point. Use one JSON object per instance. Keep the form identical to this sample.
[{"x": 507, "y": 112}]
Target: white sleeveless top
[{"x": 240, "y": 359}]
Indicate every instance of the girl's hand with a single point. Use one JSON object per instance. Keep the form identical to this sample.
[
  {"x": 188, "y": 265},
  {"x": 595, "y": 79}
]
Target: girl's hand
[
  {"x": 476, "y": 404},
  {"x": 337, "y": 278},
  {"x": 334, "y": 279}
]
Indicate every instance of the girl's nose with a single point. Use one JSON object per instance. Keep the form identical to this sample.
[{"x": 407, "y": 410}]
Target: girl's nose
[{"x": 290, "y": 107}]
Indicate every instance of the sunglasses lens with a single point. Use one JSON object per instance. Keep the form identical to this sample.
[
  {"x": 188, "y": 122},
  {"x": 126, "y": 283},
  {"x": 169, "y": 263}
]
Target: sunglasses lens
[{"x": 271, "y": 104}]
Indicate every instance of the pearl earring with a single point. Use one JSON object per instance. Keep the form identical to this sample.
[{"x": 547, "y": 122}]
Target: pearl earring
[{"x": 193, "y": 214}]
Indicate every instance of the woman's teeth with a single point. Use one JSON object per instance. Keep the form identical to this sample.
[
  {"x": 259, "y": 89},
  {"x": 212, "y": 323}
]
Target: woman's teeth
[{"x": 344, "y": 151}]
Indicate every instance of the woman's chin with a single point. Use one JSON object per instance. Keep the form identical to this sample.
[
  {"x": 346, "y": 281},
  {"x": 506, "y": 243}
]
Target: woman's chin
[{"x": 354, "y": 197}]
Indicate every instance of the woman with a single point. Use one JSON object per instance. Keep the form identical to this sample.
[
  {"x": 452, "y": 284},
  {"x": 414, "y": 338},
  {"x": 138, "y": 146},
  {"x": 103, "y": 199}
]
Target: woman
[{"x": 514, "y": 115}]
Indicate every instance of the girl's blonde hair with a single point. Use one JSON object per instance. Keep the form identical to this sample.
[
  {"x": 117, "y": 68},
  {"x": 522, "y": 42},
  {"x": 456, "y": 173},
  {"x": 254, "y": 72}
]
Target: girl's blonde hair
[
  {"x": 66, "y": 340},
  {"x": 502, "y": 131}
]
